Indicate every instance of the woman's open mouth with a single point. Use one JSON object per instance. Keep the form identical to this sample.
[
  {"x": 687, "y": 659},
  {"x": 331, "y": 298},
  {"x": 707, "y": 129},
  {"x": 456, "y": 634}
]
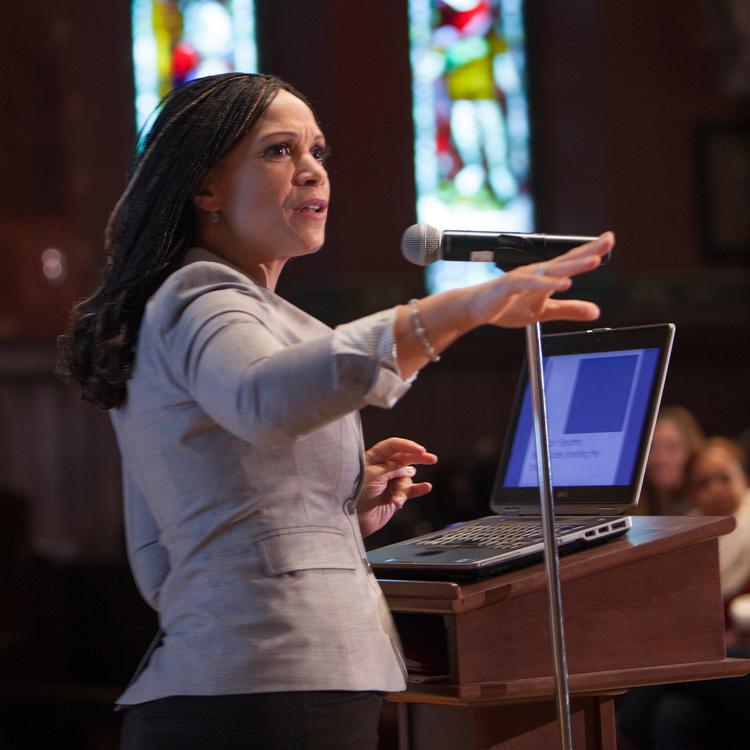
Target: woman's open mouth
[{"x": 314, "y": 209}]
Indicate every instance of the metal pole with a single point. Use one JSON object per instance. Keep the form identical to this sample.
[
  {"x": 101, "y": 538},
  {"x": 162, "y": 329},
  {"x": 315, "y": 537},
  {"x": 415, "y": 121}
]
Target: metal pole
[{"x": 551, "y": 557}]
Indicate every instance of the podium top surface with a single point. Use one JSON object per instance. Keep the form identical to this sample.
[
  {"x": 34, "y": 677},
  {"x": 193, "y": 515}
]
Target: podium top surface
[{"x": 650, "y": 536}]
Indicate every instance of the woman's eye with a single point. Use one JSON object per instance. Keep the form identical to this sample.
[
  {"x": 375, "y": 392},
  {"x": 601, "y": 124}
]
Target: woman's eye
[
  {"x": 278, "y": 151},
  {"x": 320, "y": 153}
]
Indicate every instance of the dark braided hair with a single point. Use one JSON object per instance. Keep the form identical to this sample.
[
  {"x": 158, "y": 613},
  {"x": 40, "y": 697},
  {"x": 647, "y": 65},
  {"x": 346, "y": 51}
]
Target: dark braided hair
[{"x": 153, "y": 223}]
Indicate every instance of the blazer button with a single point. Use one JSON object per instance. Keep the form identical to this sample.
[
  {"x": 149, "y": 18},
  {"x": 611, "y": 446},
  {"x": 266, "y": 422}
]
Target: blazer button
[{"x": 350, "y": 506}]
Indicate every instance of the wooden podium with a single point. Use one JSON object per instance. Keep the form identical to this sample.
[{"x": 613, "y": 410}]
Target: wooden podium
[{"x": 643, "y": 609}]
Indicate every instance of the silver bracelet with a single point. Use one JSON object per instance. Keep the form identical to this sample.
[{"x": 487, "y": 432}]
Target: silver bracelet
[{"x": 420, "y": 332}]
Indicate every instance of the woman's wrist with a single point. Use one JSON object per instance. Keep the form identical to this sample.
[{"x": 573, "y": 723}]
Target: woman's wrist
[
  {"x": 427, "y": 326},
  {"x": 420, "y": 332},
  {"x": 465, "y": 304}
]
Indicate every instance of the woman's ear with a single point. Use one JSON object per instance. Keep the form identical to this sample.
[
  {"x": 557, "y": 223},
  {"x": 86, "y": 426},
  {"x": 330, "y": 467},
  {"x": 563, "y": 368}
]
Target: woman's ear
[{"x": 205, "y": 197}]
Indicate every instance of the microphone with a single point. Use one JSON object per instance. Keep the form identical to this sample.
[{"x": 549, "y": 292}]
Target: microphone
[{"x": 422, "y": 244}]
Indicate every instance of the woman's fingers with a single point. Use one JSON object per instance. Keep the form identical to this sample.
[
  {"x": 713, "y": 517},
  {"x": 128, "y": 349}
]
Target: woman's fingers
[
  {"x": 565, "y": 267},
  {"x": 388, "y": 470},
  {"x": 598, "y": 247},
  {"x": 424, "y": 458},
  {"x": 392, "y": 444},
  {"x": 580, "y": 259},
  {"x": 403, "y": 490},
  {"x": 417, "y": 490},
  {"x": 528, "y": 281},
  {"x": 574, "y": 309},
  {"x": 400, "y": 450},
  {"x": 387, "y": 448},
  {"x": 400, "y": 486},
  {"x": 523, "y": 295},
  {"x": 526, "y": 288}
]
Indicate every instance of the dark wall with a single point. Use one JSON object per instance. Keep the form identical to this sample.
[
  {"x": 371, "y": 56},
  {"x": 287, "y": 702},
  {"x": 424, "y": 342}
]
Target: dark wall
[{"x": 65, "y": 134}]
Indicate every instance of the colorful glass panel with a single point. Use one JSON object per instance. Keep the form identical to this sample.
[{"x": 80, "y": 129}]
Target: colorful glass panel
[
  {"x": 176, "y": 41},
  {"x": 470, "y": 110}
]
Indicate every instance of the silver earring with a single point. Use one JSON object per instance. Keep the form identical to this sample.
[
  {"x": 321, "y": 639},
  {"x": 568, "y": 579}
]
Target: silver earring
[{"x": 213, "y": 216}]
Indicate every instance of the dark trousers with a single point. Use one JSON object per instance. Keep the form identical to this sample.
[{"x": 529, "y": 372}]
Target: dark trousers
[{"x": 314, "y": 720}]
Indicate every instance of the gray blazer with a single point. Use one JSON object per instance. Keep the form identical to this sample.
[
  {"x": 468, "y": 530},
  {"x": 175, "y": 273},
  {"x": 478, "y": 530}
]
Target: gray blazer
[{"x": 242, "y": 458}]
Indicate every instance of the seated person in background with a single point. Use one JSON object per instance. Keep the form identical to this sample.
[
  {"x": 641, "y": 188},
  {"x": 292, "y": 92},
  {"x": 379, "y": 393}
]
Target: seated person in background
[
  {"x": 718, "y": 482},
  {"x": 711, "y": 713},
  {"x": 677, "y": 436}
]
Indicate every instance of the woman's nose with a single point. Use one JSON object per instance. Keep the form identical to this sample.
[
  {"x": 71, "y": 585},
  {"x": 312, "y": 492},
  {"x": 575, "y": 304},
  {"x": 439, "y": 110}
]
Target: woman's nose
[{"x": 310, "y": 171}]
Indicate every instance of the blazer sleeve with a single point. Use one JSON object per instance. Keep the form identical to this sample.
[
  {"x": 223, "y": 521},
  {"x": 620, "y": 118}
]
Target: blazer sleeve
[{"x": 215, "y": 325}]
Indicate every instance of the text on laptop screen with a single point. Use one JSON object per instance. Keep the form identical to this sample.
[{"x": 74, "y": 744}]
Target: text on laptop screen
[{"x": 596, "y": 406}]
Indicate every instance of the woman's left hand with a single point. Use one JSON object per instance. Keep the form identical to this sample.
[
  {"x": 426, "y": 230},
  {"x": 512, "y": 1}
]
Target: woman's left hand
[{"x": 389, "y": 468}]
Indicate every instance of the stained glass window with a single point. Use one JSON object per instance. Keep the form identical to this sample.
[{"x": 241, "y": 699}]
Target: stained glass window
[
  {"x": 471, "y": 122},
  {"x": 176, "y": 41}
]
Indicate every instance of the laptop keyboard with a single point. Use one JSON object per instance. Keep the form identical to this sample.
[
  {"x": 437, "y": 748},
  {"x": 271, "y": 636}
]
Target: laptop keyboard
[{"x": 506, "y": 535}]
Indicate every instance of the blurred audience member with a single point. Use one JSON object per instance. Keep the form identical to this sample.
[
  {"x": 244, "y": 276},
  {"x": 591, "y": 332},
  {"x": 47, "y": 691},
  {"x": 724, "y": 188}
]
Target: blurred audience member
[
  {"x": 677, "y": 436},
  {"x": 711, "y": 713},
  {"x": 718, "y": 484}
]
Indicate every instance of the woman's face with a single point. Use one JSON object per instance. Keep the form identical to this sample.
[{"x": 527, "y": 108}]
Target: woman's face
[
  {"x": 717, "y": 483},
  {"x": 271, "y": 190},
  {"x": 668, "y": 456}
]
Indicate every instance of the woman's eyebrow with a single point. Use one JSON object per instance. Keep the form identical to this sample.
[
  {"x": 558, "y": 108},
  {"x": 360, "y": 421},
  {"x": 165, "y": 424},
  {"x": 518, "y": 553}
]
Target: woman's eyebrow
[{"x": 286, "y": 134}]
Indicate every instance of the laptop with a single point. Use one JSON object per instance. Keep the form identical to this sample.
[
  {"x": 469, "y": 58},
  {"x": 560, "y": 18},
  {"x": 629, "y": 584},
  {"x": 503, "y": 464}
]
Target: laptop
[{"x": 603, "y": 389}]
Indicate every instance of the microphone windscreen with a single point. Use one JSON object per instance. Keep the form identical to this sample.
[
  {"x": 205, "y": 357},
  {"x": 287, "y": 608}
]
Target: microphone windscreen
[{"x": 420, "y": 244}]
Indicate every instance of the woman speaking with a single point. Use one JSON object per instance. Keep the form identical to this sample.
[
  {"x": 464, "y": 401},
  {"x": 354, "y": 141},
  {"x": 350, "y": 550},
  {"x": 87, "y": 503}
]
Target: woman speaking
[{"x": 247, "y": 490}]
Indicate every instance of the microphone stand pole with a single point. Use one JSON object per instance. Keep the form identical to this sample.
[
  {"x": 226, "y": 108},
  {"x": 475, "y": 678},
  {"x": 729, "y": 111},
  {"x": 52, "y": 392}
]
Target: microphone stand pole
[{"x": 551, "y": 557}]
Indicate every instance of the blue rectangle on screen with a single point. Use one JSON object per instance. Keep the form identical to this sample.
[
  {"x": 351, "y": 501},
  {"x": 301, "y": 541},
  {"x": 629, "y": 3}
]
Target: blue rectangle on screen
[{"x": 601, "y": 395}]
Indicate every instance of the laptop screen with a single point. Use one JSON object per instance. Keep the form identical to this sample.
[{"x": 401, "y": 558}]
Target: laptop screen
[
  {"x": 603, "y": 389},
  {"x": 596, "y": 407}
]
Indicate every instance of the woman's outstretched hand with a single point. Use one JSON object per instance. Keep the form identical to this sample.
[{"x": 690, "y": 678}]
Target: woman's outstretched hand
[
  {"x": 516, "y": 299},
  {"x": 389, "y": 468},
  {"x": 523, "y": 295}
]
